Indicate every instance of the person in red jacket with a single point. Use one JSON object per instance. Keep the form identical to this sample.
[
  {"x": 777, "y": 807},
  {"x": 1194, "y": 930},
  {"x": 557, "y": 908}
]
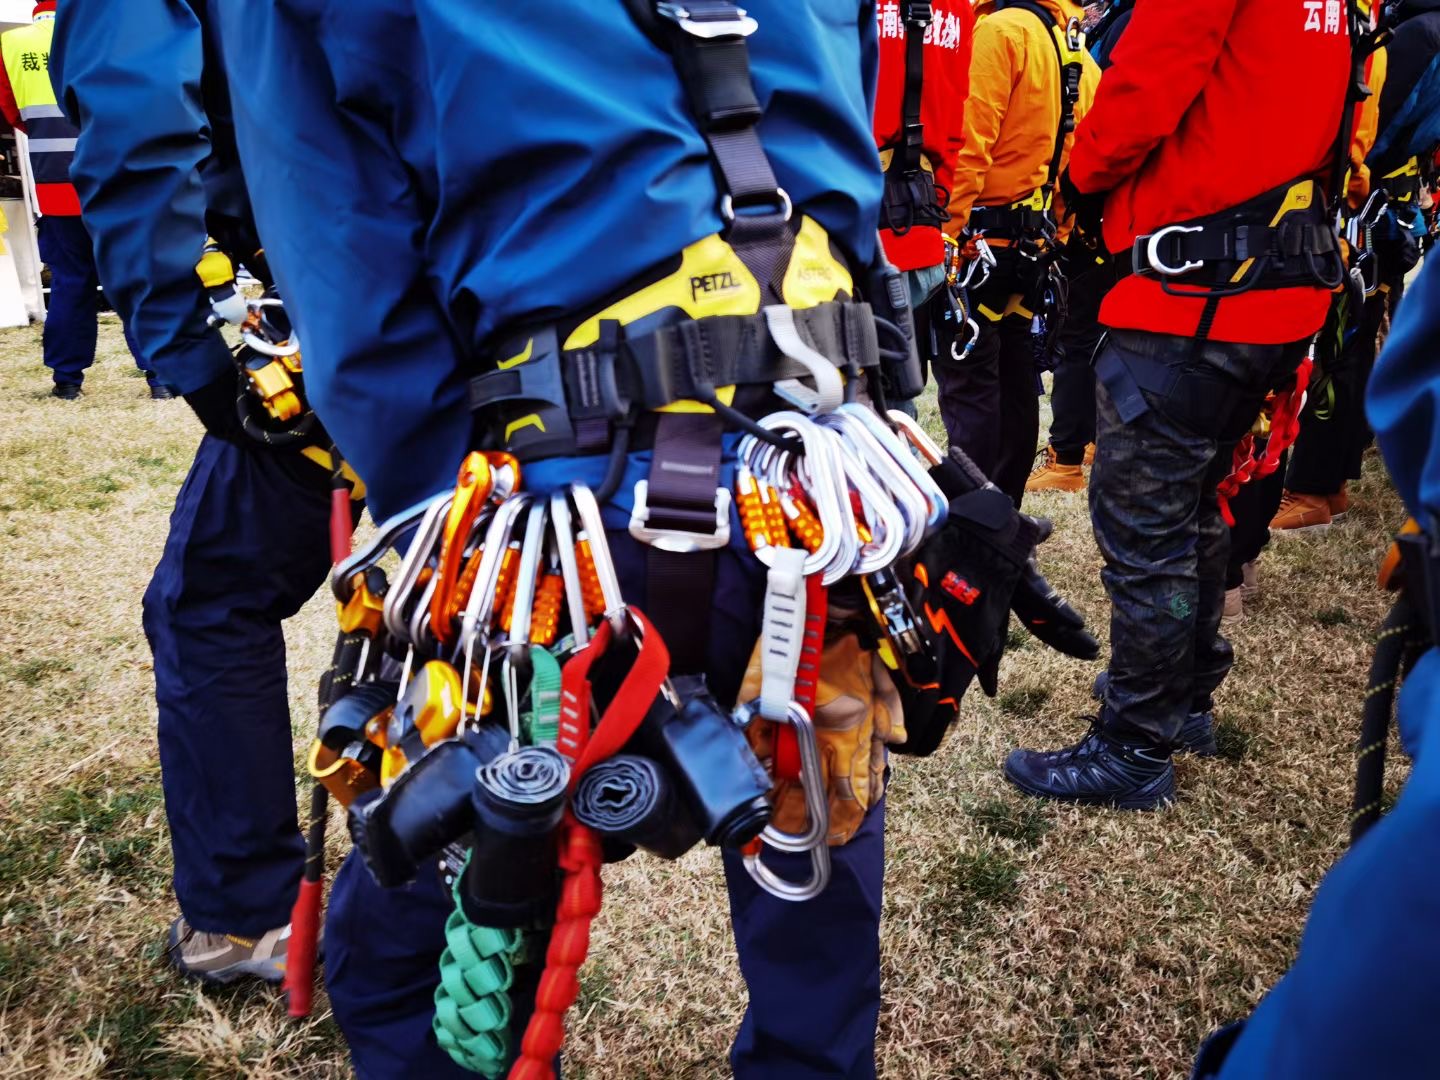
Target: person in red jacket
[
  {"x": 919, "y": 116},
  {"x": 1213, "y": 139}
]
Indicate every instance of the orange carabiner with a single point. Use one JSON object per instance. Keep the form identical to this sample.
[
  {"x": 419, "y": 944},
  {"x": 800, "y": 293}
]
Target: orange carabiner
[{"x": 472, "y": 488}]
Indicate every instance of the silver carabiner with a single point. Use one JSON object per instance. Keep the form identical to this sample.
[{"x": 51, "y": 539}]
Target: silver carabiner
[
  {"x": 929, "y": 451},
  {"x": 876, "y": 448},
  {"x": 421, "y": 551},
  {"x": 883, "y": 518},
  {"x": 563, "y": 530},
  {"x": 816, "y": 838},
  {"x": 480, "y": 608},
  {"x": 388, "y": 535},
  {"x": 527, "y": 577},
  {"x": 897, "y": 452},
  {"x": 821, "y": 477},
  {"x": 592, "y": 528}
]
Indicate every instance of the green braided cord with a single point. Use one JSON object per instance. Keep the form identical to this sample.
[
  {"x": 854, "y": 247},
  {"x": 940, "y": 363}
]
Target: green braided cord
[
  {"x": 542, "y": 722},
  {"x": 472, "y": 1002}
]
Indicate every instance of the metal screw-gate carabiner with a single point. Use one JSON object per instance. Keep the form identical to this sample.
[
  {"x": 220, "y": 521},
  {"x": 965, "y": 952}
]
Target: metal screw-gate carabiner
[
  {"x": 422, "y": 550},
  {"x": 389, "y": 534},
  {"x": 592, "y": 526},
  {"x": 867, "y": 451},
  {"x": 815, "y": 839},
  {"x": 882, "y": 517},
  {"x": 480, "y": 609},
  {"x": 562, "y": 527}
]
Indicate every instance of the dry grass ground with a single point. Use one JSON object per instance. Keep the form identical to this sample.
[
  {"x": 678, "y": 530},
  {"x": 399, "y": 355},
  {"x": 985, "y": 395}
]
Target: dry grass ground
[{"x": 1020, "y": 939}]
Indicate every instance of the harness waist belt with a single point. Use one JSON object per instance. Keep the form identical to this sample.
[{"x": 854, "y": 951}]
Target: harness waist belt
[
  {"x": 1281, "y": 239},
  {"x": 687, "y": 360},
  {"x": 1014, "y": 222}
]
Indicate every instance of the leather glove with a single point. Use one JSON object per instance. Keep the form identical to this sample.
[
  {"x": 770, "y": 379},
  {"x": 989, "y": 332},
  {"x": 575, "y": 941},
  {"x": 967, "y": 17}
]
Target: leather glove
[{"x": 1088, "y": 210}]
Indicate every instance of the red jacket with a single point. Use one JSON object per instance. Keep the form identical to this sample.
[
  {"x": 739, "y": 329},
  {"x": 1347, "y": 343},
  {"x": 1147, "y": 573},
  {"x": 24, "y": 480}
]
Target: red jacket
[
  {"x": 1208, "y": 105},
  {"x": 942, "y": 108}
]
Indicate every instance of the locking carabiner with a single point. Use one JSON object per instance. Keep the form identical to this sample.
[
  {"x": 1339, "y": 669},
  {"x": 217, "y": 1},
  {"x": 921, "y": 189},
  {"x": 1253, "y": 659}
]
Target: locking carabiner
[
  {"x": 592, "y": 532},
  {"x": 815, "y": 839}
]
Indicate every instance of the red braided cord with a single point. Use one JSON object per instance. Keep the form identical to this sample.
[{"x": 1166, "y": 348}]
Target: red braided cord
[
  {"x": 1284, "y": 430},
  {"x": 580, "y": 855}
]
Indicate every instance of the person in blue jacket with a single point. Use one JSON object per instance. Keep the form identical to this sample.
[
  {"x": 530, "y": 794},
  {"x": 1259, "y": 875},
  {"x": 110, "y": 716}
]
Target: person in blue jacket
[
  {"x": 157, "y": 172},
  {"x": 430, "y": 179},
  {"x": 1360, "y": 997}
]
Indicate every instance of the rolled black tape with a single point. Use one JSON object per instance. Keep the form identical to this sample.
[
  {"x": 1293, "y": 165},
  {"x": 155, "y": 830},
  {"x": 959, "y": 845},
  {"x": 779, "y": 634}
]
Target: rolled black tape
[
  {"x": 717, "y": 776},
  {"x": 630, "y": 798},
  {"x": 518, "y": 800},
  {"x": 427, "y": 807}
]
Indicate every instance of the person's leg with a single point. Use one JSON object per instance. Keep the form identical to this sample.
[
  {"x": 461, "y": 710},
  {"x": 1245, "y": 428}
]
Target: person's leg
[
  {"x": 69, "y": 335},
  {"x": 969, "y": 397},
  {"x": 247, "y": 548},
  {"x": 1019, "y": 407},
  {"x": 812, "y": 969},
  {"x": 1072, "y": 397},
  {"x": 1317, "y": 463},
  {"x": 382, "y": 964}
]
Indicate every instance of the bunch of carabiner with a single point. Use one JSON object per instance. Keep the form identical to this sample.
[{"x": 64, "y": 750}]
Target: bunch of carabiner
[
  {"x": 962, "y": 274},
  {"x": 842, "y": 495}
]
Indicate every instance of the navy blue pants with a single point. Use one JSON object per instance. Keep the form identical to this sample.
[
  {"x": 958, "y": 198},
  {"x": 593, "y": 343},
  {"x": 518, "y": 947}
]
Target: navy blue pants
[
  {"x": 70, "y": 331},
  {"x": 812, "y": 969},
  {"x": 248, "y": 546},
  {"x": 1169, "y": 412}
]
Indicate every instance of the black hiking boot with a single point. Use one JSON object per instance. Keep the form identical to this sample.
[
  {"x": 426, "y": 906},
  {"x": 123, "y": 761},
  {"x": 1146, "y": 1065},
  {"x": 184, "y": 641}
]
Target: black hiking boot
[{"x": 1096, "y": 771}]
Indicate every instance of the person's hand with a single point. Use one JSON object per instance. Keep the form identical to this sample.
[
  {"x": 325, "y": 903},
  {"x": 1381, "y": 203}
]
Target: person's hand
[{"x": 1088, "y": 210}]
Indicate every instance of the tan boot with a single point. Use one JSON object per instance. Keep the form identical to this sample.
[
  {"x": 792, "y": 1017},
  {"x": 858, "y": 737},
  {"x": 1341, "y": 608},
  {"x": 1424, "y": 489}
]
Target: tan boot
[
  {"x": 1301, "y": 513},
  {"x": 1250, "y": 589},
  {"x": 1089, "y": 454},
  {"x": 1234, "y": 604},
  {"x": 1052, "y": 476}
]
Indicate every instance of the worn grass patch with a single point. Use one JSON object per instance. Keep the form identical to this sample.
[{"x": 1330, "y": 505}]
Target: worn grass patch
[{"x": 1020, "y": 939}]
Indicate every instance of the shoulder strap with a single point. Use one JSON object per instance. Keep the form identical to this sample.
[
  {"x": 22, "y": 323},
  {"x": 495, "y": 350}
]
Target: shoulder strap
[
  {"x": 1363, "y": 42},
  {"x": 1070, "y": 74},
  {"x": 918, "y": 14}
]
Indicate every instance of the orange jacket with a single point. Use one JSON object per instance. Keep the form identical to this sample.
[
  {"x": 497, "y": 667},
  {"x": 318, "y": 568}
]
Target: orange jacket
[
  {"x": 1367, "y": 129},
  {"x": 1013, "y": 114}
]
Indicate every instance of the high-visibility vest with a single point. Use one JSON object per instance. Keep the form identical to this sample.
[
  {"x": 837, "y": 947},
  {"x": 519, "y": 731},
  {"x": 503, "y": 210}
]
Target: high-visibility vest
[{"x": 51, "y": 138}]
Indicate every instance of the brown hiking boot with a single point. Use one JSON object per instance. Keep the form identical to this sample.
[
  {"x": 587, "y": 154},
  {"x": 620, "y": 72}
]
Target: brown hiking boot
[
  {"x": 1339, "y": 504},
  {"x": 1052, "y": 476},
  {"x": 1301, "y": 513},
  {"x": 223, "y": 958},
  {"x": 1234, "y": 604}
]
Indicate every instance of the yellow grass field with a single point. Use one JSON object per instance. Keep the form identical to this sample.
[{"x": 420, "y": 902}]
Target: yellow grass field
[{"x": 1020, "y": 939}]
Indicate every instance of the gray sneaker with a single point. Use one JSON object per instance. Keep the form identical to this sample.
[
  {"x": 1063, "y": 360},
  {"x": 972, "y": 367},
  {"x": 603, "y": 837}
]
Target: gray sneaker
[{"x": 223, "y": 958}]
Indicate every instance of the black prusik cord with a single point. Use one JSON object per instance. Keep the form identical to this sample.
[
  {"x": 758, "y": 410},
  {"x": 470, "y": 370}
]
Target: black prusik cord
[{"x": 1396, "y": 649}]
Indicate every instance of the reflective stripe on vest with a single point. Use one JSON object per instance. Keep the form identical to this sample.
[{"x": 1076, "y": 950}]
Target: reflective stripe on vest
[{"x": 50, "y": 137}]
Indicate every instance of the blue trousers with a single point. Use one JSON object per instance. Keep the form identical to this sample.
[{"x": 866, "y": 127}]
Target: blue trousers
[
  {"x": 812, "y": 969},
  {"x": 248, "y": 546},
  {"x": 1169, "y": 412},
  {"x": 70, "y": 331}
]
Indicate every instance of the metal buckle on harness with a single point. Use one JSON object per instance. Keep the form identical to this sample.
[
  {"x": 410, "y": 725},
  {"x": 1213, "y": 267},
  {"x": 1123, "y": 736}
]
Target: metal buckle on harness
[
  {"x": 783, "y": 206},
  {"x": 682, "y": 541},
  {"x": 735, "y": 23},
  {"x": 1145, "y": 255}
]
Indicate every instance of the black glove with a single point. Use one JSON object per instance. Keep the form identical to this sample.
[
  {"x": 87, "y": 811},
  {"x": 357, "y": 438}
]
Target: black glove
[
  {"x": 214, "y": 404},
  {"x": 965, "y": 581},
  {"x": 1087, "y": 210}
]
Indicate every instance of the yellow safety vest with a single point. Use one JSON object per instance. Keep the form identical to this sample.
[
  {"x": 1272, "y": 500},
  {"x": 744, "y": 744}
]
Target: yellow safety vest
[{"x": 51, "y": 138}]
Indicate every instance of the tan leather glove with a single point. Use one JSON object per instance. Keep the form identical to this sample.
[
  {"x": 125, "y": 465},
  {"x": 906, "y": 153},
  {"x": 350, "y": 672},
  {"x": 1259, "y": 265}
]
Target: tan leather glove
[{"x": 857, "y": 712}]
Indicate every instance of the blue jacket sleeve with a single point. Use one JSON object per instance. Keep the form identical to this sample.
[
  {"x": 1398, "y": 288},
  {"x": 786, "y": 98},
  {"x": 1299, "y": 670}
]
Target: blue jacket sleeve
[
  {"x": 340, "y": 195},
  {"x": 132, "y": 87}
]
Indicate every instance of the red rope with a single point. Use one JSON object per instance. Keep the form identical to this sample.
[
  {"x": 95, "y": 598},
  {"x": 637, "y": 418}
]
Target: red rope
[
  {"x": 807, "y": 676},
  {"x": 580, "y": 855},
  {"x": 1284, "y": 430}
]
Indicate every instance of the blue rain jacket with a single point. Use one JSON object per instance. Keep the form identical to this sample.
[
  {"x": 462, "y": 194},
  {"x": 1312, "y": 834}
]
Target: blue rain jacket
[
  {"x": 425, "y": 174},
  {"x": 156, "y": 153}
]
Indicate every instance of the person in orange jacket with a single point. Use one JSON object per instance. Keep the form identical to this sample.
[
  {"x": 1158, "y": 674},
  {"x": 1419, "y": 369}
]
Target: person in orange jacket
[
  {"x": 1333, "y": 432},
  {"x": 1030, "y": 81},
  {"x": 1232, "y": 254}
]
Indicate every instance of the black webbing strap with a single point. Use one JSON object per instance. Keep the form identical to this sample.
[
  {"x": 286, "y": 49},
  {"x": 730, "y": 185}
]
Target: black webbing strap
[
  {"x": 1363, "y": 42},
  {"x": 1070, "y": 74},
  {"x": 918, "y": 14},
  {"x": 706, "y": 39},
  {"x": 682, "y": 498}
]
